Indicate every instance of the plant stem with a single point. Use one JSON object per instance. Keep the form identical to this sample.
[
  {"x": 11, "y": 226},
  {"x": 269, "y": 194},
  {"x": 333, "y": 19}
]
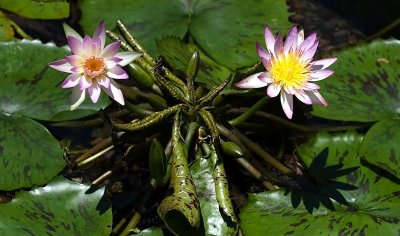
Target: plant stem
[
  {"x": 249, "y": 112},
  {"x": 384, "y": 30},
  {"x": 122, "y": 222},
  {"x": 90, "y": 123},
  {"x": 94, "y": 157},
  {"x": 255, "y": 173},
  {"x": 132, "y": 224},
  {"x": 103, "y": 177}
]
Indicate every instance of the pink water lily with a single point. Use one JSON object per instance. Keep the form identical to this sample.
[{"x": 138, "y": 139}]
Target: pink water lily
[
  {"x": 93, "y": 66},
  {"x": 290, "y": 69}
]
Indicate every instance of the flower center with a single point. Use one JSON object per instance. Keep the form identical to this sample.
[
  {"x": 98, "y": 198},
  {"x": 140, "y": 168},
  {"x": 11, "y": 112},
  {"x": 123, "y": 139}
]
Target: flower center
[
  {"x": 94, "y": 66},
  {"x": 289, "y": 71}
]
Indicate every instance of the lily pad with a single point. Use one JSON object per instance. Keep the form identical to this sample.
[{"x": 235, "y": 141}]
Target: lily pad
[
  {"x": 177, "y": 55},
  {"x": 214, "y": 222},
  {"x": 30, "y": 88},
  {"x": 29, "y": 155},
  {"x": 380, "y": 146},
  {"x": 61, "y": 208},
  {"x": 366, "y": 83},
  {"x": 46, "y": 10},
  {"x": 225, "y": 30},
  {"x": 374, "y": 208},
  {"x": 153, "y": 231}
]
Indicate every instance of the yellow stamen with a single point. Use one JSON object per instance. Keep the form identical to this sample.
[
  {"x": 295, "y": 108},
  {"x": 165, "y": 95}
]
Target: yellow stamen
[{"x": 289, "y": 70}]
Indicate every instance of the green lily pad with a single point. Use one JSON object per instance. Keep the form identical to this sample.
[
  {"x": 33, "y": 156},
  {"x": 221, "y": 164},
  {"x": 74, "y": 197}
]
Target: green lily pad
[
  {"x": 177, "y": 55},
  {"x": 30, "y": 88},
  {"x": 61, "y": 208},
  {"x": 29, "y": 155},
  {"x": 225, "y": 30},
  {"x": 271, "y": 213},
  {"x": 380, "y": 145},
  {"x": 374, "y": 208},
  {"x": 214, "y": 222},
  {"x": 6, "y": 28},
  {"x": 365, "y": 85},
  {"x": 153, "y": 231},
  {"x": 47, "y": 10}
]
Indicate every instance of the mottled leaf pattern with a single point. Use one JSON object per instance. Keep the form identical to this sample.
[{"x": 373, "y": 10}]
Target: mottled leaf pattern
[
  {"x": 365, "y": 85},
  {"x": 226, "y": 30},
  {"x": 60, "y": 208},
  {"x": 29, "y": 155},
  {"x": 30, "y": 88}
]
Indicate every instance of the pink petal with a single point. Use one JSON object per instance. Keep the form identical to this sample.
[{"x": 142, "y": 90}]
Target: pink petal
[
  {"x": 261, "y": 51},
  {"x": 287, "y": 104},
  {"x": 111, "y": 49},
  {"x": 85, "y": 82},
  {"x": 274, "y": 89},
  {"x": 291, "y": 40},
  {"x": 278, "y": 47},
  {"x": 104, "y": 81},
  {"x": 309, "y": 54},
  {"x": 127, "y": 57},
  {"x": 265, "y": 77},
  {"x": 61, "y": 65},
  {"x": 94, "y": 92},
  {"x": 316, "y": 98},
  {"x": 320, "y": 74},
  {"x": 100, "y": 34},
  {"x": 267, "y": 63},
  {"x": 77, "y": 69},
  {"x": 311, "y": 86},
  {"x": 117, "y": 73},
  {"x": 300, "y": 37},
  {"x": 87, "y": 42},
  {"x": 113, "y": 61},
  {"x": 77, "y": 97},
  {"x": 71, "y": 81},
  {"x": 75, "y": 60},
  {"x": 308, "y": 42},
  {"x": 322, "y": 64},
  {"x": 115, "y": 92},
  {"x": 251, "y": 81},
  {"x": 269, "y": 39},
  {"x": 76, "y": 45},
  {"x": 96, "y": 47},
  {"x": 71, "y": 32},
  {"x": 303, "y": 97}
]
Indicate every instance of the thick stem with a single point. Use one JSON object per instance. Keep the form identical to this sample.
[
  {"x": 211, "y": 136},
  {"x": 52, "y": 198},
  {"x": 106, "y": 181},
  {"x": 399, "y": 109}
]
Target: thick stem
[
  {"x": 132, "y": 224},
  {"x": 90, "y": 123},
  {"x": 249, "y": 112}
]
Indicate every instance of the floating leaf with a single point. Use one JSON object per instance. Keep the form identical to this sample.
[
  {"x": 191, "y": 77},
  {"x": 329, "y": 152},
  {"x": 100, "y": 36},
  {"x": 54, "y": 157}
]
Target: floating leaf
[
  {"x": 380, "y": 146},
  {"x": 61, "y": 208},
  {"x": 30, "y": 88},
  {"x": 365, "y": 85},
  {"x": 46, "y": 10},
  {"x": 29, "y": 155},
  {"x": 214, "y": 223},
  {"x": 226, "y": 30},
  {"x": 177, "y": 55},
  {"x": 271, "y": 213},
  {"x": 8, "y": 29}
]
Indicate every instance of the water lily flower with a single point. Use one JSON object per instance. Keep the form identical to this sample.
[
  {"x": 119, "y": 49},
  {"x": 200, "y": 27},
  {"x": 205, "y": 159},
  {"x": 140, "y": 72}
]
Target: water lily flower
[
  {"x": 92, "y": 66},
  {"x": 290, "y": 69}
]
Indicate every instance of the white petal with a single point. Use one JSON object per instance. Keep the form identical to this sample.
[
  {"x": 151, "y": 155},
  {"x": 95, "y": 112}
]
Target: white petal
[
  {"x": 311, "y": 86},
  {"x": 291, "y": 40},
  {"x": 287, "y": 104},
  {"x": 300, "y": 37},
  {"x": 251, "y": 82},
  {"x": 127, "y": 57},
  {"x": 61, "y": 65},
  {"x": 265, "y": 77},
  {"x": 261, "y": 51},
  {"x": 269, "y": 39},
  {"x": 303, "y": 97},
  {"x": 100, "y": 33},
  {"x": 320, "y": 75},
  {"x": 322, "y": 64},
  {"x": 94, "y": 92},
  {"x": 117, "y": 73},
  {"x": 115, "y": 92},
  {"x": 309, "y": 54},
  {"x": 274, "y": 89},
  {"x": 77, "y": 97},
  {"x": 316, "y": 98},
  {"x": 71, "y": 81},
  {"x": 85, "y": 82},
  {"x": 278, "y": 47},
  {"x": 71, "y": 32}
]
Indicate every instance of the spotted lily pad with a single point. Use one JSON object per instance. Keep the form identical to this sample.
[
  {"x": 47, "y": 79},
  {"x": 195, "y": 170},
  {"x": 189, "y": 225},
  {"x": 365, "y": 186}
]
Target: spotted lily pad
[
  {"x": 29, "y": 155},
  {"x": 177, "y": 54},
  {"x": 226, "y": 30},
  {"x": 374, "y": 208},
  {"x": 49, "y": 9},
  {"x": 366, "y": 83},
  {"x": 30, "y": 88},
  {"x": 60, "y": 208}
]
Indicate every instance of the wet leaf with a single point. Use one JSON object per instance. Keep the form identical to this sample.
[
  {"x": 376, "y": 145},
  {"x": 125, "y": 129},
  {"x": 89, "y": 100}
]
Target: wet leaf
[
  {"x": 60, "y": 208},
  {"x": 8, "y": 29},
  {"x": 380, "y": 146},
  {"x": 226, "y": 30},
  {"x": 214, "y": 222},
  {"x": 365, "y": 85},
  {"x": 153, "y": 231},
  {"x": 271, "y": 213},
  {"x": 46, "y": 10},
  {"x": 177, "y": 54},
  {"x": 29, "y": 155},
  {"x": 30, "y": 88}
]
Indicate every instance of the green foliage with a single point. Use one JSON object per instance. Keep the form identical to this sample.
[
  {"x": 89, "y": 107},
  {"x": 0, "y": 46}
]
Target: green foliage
[
  {"x": 60, "y": 208},
  {"x": 225, "y": 30},
  {"x": 47, "y": 10}
]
